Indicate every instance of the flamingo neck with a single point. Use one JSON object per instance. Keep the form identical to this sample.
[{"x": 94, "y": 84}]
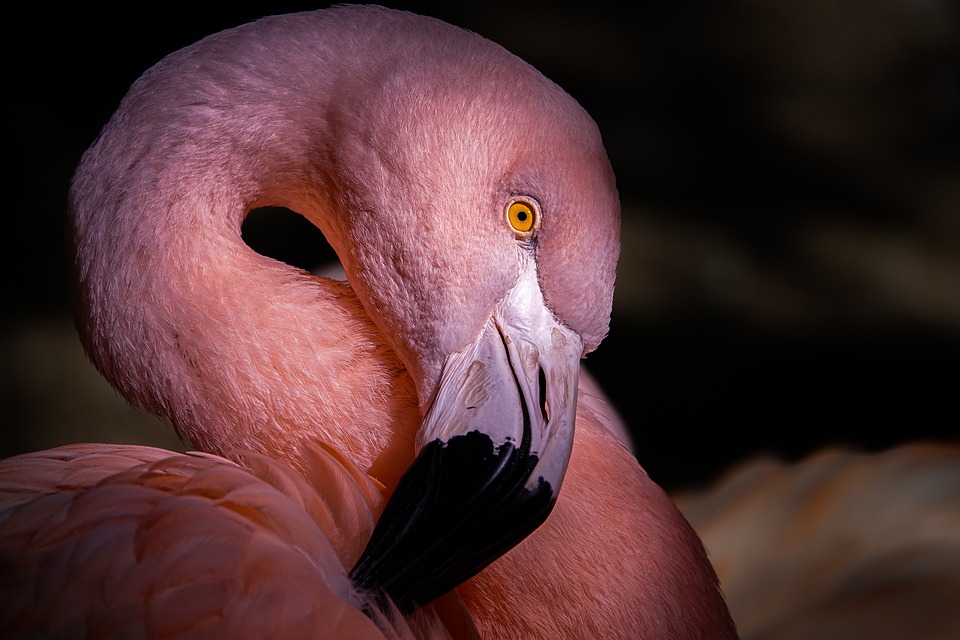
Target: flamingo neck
[{"x": 237, "y": 350}]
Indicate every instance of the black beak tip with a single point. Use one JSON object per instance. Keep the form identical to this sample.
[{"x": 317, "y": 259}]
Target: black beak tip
[{"x": 460, "y": 506}]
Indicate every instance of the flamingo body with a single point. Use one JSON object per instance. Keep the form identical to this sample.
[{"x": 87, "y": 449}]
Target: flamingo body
[
  {"x": 131, "y": 541},
  {"x": 412, "y": 145}
]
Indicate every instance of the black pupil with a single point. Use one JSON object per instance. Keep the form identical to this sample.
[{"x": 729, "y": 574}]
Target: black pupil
[{"x": 522, "y": 216}]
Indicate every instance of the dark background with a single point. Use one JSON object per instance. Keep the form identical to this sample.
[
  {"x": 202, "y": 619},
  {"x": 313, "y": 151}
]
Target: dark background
[{"x": 790, "y": 180}]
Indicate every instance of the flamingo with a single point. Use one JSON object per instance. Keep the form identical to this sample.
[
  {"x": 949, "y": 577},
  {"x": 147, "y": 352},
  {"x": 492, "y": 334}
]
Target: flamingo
[{"x": 381, "y": 457}]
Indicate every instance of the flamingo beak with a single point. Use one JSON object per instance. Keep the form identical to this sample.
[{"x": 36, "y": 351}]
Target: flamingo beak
[{"x": 492, "y": 452}]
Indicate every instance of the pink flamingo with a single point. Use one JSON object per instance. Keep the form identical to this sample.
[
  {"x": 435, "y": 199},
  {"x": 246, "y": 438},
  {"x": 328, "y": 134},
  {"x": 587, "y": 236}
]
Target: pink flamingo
[{"x": 475, "y": 212}]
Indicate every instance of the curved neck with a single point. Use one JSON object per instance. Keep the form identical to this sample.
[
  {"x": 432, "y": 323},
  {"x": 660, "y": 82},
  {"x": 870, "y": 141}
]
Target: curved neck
[{"x": 237, "y": 350}]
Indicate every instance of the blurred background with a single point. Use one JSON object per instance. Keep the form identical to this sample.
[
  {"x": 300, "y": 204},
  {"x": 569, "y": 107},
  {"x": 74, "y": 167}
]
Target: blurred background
[{"x": 790, "y": 179}]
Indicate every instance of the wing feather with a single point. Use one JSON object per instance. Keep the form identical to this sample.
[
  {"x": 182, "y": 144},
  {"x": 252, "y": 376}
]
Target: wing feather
[{"x": 121, "y": 541}]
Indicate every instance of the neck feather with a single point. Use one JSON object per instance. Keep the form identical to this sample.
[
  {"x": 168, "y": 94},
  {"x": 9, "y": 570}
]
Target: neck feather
[{"x": 237, "y": 350}]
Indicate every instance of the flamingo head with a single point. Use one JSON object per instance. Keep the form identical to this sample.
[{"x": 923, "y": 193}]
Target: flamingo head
[
  {"x": 474, "y": 210},
  {"x": 481, "y": 233}
]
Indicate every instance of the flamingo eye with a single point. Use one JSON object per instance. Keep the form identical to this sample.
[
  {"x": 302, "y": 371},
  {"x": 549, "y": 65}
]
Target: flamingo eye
[{"x": 523, "y": 216}]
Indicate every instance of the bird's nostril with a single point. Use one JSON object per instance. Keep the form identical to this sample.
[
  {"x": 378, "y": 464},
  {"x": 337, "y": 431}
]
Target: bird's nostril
[{"x": 544, "y": 404}]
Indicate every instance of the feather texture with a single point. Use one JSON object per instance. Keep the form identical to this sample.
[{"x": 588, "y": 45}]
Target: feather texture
[
  {"x": 404, "y": 140},
  {"x": 149, "y": 543}
]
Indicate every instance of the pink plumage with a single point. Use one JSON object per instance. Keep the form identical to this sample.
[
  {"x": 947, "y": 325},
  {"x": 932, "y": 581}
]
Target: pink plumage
[
  {"x": 405, "y": 140},
  {"x": 109, "y": 541}
]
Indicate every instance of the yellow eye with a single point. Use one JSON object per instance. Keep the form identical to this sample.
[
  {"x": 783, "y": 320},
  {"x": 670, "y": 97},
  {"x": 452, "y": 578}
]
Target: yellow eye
[{"x": 523, "y": 217}]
